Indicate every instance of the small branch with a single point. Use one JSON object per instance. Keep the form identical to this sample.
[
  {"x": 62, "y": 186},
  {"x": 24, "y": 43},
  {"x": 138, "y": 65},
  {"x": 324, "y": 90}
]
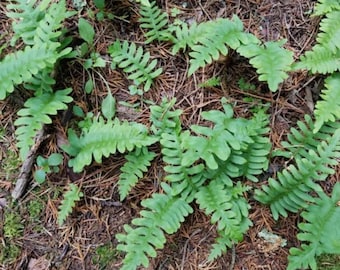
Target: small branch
[{"x": 26, "y": 167}]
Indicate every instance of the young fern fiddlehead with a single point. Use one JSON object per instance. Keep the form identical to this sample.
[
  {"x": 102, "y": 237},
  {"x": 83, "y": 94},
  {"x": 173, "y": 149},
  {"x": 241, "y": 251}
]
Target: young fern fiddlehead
[{"x": 133, "y": 60}]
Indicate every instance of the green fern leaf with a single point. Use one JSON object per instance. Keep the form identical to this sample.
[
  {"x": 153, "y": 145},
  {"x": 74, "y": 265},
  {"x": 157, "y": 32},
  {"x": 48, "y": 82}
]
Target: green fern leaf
[
  {"x": 105, "y": 138},
  {"x": 184, "y": 179},
  {"x": 304, "y": 139},
  {"x": 21, "y": 66},
  {"x": 320, "y": 229},
  {"x": 319, "y": 60},
  {"x": 133, "y": 60},
  {"x": 228, "y": 210},
  {"x": 328, "y": 109},
  {"x": 164, "y": 214},
  {"x": 164, "y": 119},
  {"x": 37, "y": 112},
  {"x": 154, "y": 20},
  {"x": 137, "y": 163},
  {"x": 70, "y": 197},
  {"x": 186, "y": 36},
  {"x": 329, "y": 37},
  {"x": 290, "y": 191},
  {"x": 271, "y": 61},
  {"x": 37, "y": 22},
  {"x": 326, "y": 6},
  {"x": 214, "y": 39}
]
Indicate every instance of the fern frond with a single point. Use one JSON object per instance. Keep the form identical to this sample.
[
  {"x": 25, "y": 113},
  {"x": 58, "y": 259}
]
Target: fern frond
[
  {"x": 214, "y": 39},
  {"x": 326, "y": 6},
  {"x": 290, "y": 191},
  {"x": 329, "y": 36},
  {"x": 104, "y": 138},
  {"x": 164, "y": 214},
  {"x": 299, "y": 141},
  {"x": 186, "y": 36},
  {"x": 319, "y": 60},
  {"x": 70, "y": 197},
  {"x": 21, "y": 66},
  {"x": 272, "y": 61},
  {"x": 228, "y": 209},
  {"x": 184, "y": 179},
  {"x": 154, "y": 20},
  {"x": 37, "y": 22},
  {"x": 328, "y": 109},
  {"x": 164, "y": 119},
  {"x": 136, "y": 164},
  {"x": 134, "y": 61},
  {"x": 37, "y": 112},
  {"x": 320, "y": 228}
]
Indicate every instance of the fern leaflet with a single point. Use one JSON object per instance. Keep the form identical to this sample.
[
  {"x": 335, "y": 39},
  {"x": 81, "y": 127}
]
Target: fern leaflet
[
  {"x": 228, "y": 210},
  {"x": 328, "y": 109},
  {"x": 290, "y": 192},
  {"x": 137, "y": 163},
  {"x": 304, "y": 139},
  {"x": 271, "y": 61},
  {"x": 164, "y": 214},
  {"x": 320, "y": 229},
  {"x": 20, "y": 66},
  {"x": 133, "y": 60},
  {"x": 325, "y": 6},
  {"x": 154, "y": 20},
  {"x": 214, "y": 38},
  {"x": 36, "y": 114},
  {"x": 70, "y": 197},
  {"x": 329, "y": 36},
  {"x": 104, "y": 138}
]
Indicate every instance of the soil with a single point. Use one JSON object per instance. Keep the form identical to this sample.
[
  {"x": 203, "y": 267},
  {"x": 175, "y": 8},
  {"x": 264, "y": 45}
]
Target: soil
[{"x": 99, "y": 215}]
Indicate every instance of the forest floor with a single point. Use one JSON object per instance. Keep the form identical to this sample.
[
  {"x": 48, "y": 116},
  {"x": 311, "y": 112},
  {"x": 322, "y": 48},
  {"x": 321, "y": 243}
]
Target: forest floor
[{"x": 87, "y": 240}]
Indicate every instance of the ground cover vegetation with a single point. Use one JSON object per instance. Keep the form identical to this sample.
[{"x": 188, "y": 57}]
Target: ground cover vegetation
[{"x": 219, "y": 165}]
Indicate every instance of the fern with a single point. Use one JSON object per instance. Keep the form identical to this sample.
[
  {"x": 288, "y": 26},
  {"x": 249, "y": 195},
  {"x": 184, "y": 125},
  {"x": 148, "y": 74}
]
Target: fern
[
  {"x": 133, "y": 60},
  {"x": 164, "y": 214},
  {"x": 299, "y": 142},
  {"x": 228, "y": 210},
  {"x": 21, "y": 66},
  {"x": 329, "y": 36},
  {"x": 36, "y": 114},
  {"x": 214, "y": 38},
  {"x": 104, "y": 138},
  {"x": 37, "y": 22},
  {"x": 164, "y": 119},
  {"x": 320, "y": 228},
  {"x": 290, "y": 192},
  {"x": 137, "y": 163},
  {"x": 70, "y": 197},
  {"x": 325, "y": 6},
  {"x": 271, "y": 61},
  {"x": 319, "y": 60},
  {"x": 154, "y": 20},
  {"x": 186, "y": 36},
  {"x": 328, "y": 109}
]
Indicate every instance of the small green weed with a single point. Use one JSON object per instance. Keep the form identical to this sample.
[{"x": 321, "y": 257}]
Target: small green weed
[
  {"x": 35, "y": 208},
  {"x": 10, "y": 164},
  {"x": 104, "y": 255},
  {"x": 245, "y": 86},
  {"x": 9, "y": 253},
  {"x": 46, "y": 166},
  {"x": 13, "y": 226}
]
